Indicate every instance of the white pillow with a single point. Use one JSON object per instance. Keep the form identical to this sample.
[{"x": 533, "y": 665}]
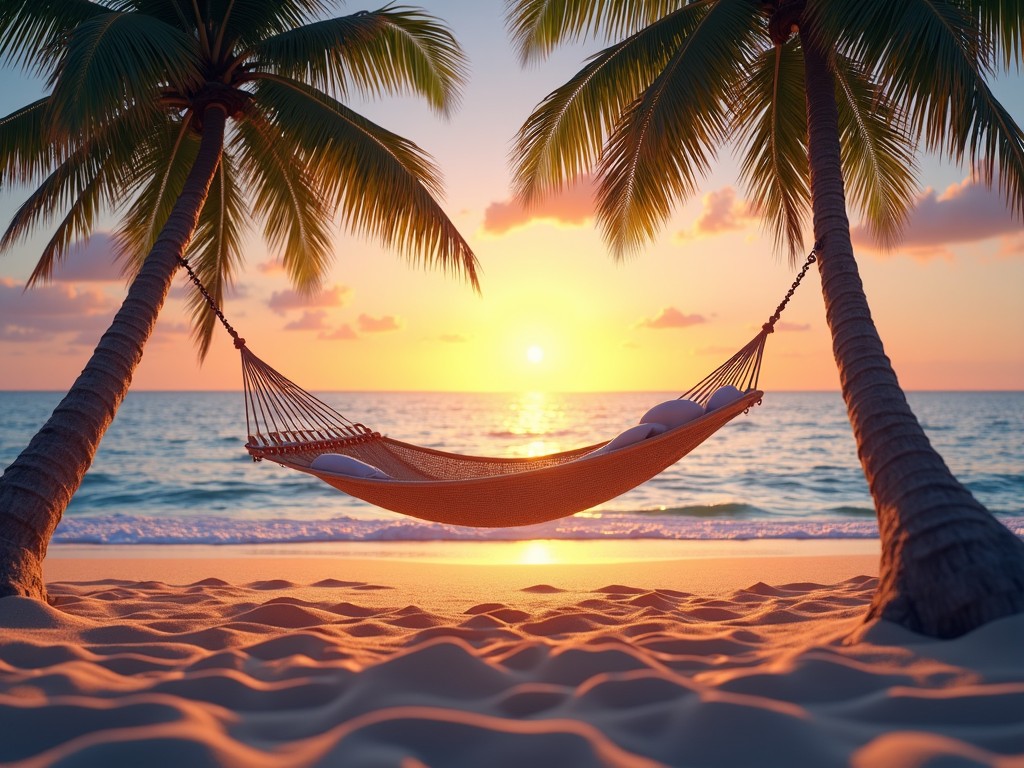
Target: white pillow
[
  {"x": 347, "y": 465},
  {"x": 632, "y": 435},
  {"x": 723, "y": 396},
  {"x": 673, "y": 413}
]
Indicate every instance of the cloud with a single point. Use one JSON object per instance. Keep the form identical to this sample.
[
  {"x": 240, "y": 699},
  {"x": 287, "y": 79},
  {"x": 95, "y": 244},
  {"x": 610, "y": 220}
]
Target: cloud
[
  {"x": 311, "y": 320},
  {"x": 341, "y": 333},
  {"x": 722, "y": 211},
  {"x": 453, "y": 338},
  {"x": 967, "y": 212},
  {"x": 792, "y": 327},
  {"x": 272, "y": 267},
  {"x": 670, "y": 317},
  {"x": 1012, "y": 246},
  {"x": 90, "y": 261},
  {"x": 574, "y": 205},
  {"x": 335, "y": 296},
  {"x": 41, "y": 313},
  {"x": 381, "y": 324}
]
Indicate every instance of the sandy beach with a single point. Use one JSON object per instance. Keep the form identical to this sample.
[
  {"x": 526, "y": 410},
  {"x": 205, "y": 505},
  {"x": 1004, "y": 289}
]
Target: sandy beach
[{"x": 295, "y": 661}]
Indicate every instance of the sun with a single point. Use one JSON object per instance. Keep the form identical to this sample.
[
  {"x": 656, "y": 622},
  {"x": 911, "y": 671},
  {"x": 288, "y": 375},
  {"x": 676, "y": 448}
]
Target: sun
[{"x": 535, "y": 354}]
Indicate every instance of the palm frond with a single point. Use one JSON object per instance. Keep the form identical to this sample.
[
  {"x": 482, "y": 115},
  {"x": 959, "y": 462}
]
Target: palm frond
[
  {"x": 77, "y": 224},
  {"x": 392, "y": 50},
  {"x": 162, "y": 164},
  {"x": 383, "y": 185},
  {"x": 295, "y": 212},
  {"x": 1002, "y": 25},
  {"x": 931, "y": 57},
  {"x": 993, "y": 143},
  {"x": 564, "y": 136},
  {"x": 117, "y": 59},
  {"x": 537, "y": 26},
  {"x": 666, "y": 139},
  {"x": 927, "y": 54},
  {"x": 28, "y": 149},
  {"x": 246, "y": 23},
  {"x": 771, "y": 117},
  {"x": 215, "y": 252},
  {"x": 878, "y": 155},
  {"x": 31, "y": 31},
  {"x": 93, "y": 175}
]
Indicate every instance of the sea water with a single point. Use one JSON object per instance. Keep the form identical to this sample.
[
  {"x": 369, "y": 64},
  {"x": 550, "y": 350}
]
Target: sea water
[{"x": 172, "y": 468}]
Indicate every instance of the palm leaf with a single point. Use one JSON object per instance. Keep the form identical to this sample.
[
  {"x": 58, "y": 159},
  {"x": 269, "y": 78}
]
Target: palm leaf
[
  {"x": 537, "y": 26},
  {"x": 161, "y": 166},
  {"x": 564, "y": 136},
  {"x": 771, "y": 116},
  {"x": 93, "y": 175},
  {"x": 215, "y": 252},
  {"x": 393, "y": 50},
  {"x": 993, "y": 144},
  {"x": 879, "y": 157},
  {"x": 245, "y": 23},
  {"x": 1002, "y": 27},
  {"x": 117, "y": 59},
  {"x": 28, "y": 150},
  {"x": 667, "y": 138},
  {"x": 384, "y": 185},
  {"x": 31, "y": 31},
  {"x": 932, "y": 59},
  {"x": 926, "y": 52},
  {"x": 295, "y": 212}
]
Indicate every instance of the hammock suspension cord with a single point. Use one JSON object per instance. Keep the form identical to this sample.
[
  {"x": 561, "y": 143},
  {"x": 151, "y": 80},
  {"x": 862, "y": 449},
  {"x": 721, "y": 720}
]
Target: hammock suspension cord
[{"x": 283, "y": 419}]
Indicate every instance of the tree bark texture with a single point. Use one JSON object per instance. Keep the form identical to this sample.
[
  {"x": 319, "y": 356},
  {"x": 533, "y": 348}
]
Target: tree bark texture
[
  {"x": 36, "y": 488},
  {"x": 948, "y": 566}
]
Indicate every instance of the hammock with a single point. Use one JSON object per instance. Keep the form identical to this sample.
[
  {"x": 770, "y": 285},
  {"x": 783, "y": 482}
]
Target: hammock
[{"x": 289, "y": 426}]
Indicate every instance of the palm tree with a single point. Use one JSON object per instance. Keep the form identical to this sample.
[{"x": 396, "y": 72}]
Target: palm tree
[
  {"x": 188, "y": 115},
  {"x": 821, "y": 98}
]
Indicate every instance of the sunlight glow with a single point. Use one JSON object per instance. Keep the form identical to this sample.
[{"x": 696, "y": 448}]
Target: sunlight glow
[
  {"x": 537, "y": 553},
  {"x": 535, "y": 355}
]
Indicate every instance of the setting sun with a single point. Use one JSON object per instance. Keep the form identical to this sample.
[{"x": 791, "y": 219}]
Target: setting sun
[{"x": 535, "y": 354}]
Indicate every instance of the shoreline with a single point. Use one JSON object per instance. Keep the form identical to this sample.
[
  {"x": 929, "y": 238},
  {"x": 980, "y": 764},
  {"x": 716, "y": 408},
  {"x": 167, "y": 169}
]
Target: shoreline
[
  {"x": 454, "y": 574},
  {"x": 511, "y": 552}
]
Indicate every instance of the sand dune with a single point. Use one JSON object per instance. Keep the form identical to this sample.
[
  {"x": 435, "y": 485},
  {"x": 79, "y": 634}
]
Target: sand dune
[{"x": 276, "y": 672}]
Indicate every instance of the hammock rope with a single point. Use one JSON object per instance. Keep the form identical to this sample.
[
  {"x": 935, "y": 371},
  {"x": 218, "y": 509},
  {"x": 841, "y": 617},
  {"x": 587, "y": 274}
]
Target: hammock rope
[{"x": 290, "y": 426}]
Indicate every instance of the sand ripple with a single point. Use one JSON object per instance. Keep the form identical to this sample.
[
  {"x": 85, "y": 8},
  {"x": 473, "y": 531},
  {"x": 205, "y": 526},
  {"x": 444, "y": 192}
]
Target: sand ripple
[{"x": 274, "y": 673}]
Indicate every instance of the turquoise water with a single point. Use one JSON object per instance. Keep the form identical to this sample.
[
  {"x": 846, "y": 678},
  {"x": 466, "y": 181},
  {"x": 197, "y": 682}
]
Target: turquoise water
[{"x": 172, "y": 468}]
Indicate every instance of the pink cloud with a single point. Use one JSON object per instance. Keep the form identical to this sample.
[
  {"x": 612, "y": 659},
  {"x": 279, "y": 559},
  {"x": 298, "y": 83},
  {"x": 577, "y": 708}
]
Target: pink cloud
[
  {"x": 785, "y": 327},
  {"x": 722, "y": 211},
  {"x": 46, "y": 311},
  {"x": 91, "y": 260},
  {"x": 383, "y": 324},
  {"x": 311, "y": 320},
  {"x": 341, "y": 333},
  {"x": 670, "y": 317},
  {"x": 1012, "y": 246},
  {"x": 967, "y": 212},
  {"x": 271, "y": 267},
  {"x": 574, "y": 205},
  {"x": 335, "y": 296}
]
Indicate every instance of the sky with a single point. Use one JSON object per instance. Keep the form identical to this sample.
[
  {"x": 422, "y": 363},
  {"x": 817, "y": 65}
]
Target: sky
[{"x": 556, "y": 312}]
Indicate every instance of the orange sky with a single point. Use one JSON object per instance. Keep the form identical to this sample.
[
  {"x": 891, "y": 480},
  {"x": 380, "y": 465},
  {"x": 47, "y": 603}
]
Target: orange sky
[{"x": 947, "y": 301}]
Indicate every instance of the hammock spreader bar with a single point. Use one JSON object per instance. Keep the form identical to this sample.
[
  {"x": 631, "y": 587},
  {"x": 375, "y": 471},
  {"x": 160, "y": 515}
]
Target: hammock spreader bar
[{"x": 292, "y": 427}]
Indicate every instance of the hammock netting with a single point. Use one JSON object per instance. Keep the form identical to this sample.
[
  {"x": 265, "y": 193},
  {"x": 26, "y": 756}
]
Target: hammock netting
[{"x": 292, "y": 427}]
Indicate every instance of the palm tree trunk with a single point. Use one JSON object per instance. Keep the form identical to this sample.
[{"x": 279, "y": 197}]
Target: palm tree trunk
[
  {"x": 948, "y": 566},
  {"x": 36, "y": 488}
]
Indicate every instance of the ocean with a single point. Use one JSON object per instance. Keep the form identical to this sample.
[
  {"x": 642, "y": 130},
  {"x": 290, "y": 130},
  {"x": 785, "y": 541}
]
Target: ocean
[{"x": 172, "y": 468}]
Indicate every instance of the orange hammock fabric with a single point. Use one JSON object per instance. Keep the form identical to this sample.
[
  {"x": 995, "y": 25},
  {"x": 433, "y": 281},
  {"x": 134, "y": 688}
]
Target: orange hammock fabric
[{"x": 288, "y": 425}]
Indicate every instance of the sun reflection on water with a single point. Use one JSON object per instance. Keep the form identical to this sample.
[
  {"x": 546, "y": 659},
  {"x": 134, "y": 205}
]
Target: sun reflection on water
[{"x": 541, "y": 419}]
